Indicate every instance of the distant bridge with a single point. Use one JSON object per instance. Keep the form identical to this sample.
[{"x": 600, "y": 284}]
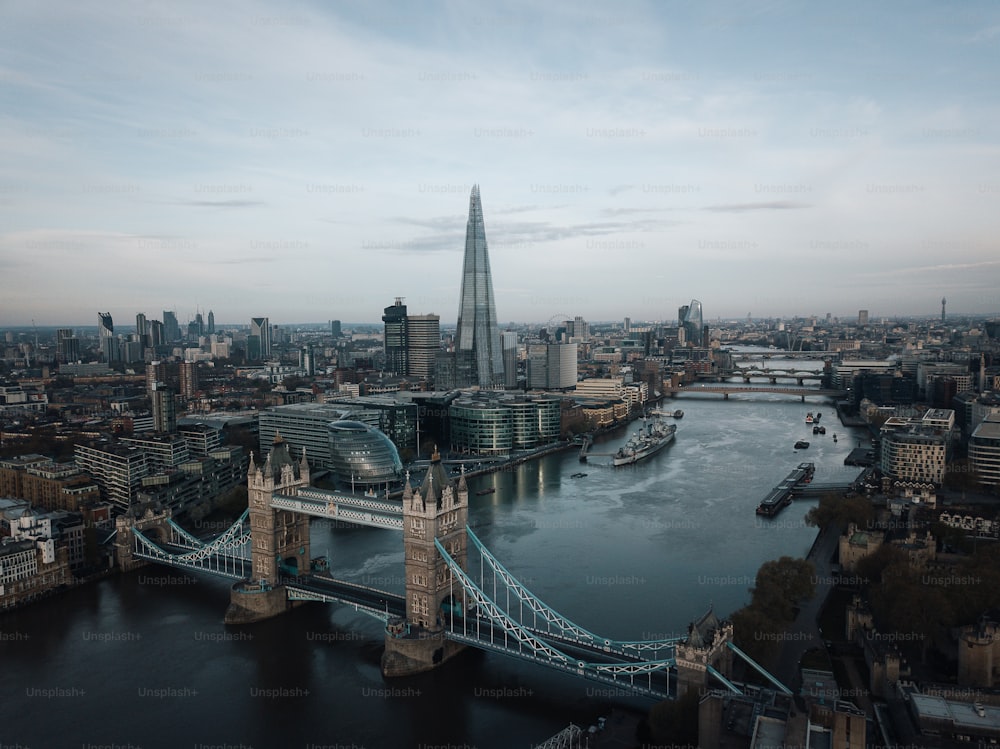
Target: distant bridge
[
  {"x": 775, "y": 354},
  {"x": 727, "y": 389}
]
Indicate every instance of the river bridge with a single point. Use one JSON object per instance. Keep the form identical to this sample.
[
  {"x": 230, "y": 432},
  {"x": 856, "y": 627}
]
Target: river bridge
[
  {"x": 771, "y": 375},
  {"x": 732, "y": 388},
  {"x": 457, "y": 593},
  {"x": 781, "y": 354}
]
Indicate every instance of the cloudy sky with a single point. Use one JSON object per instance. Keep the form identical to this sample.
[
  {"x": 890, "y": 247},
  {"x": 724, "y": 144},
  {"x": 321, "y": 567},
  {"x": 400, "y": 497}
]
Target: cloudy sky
[{"x": 313, "y": 160}]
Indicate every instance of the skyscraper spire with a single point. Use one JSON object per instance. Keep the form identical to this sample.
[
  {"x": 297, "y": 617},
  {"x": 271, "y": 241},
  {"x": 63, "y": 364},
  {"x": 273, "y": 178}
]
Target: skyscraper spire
[{"x": 478, "y": 338}]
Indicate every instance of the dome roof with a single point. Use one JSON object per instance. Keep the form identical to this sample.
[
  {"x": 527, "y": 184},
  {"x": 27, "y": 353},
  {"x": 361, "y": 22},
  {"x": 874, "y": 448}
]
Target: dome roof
[
  {"x": 363, "y": 454},
  {"x": 350, "y": 425}
]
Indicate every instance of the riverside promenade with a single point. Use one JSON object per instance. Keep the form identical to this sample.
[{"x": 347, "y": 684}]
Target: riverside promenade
[{"x": 803, "y": 634}]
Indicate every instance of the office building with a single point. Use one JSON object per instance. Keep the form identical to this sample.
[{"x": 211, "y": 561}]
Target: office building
[
  {"x": 984, "y": 451},
  {"x": 188, "y": 378},
  {"x": 305, "y": 427},
  {"x": 307, "y": 360},
  {"x": 201, "y": 439},
  {"x": 118, "y": 470},
  {"x": 552, "y": 366},
  {"x": 163, "y": 452},
  {"x": 142, "y": 329},
  {"x": 171, "y": 328},
  {"x": 862, "y": 317},
  {"x": 395, "y": 338},
  {"x": 67, "y": 345},
  {"x": 497, "y": 424},
  {"x": 508, "y": 341},
  {"x": 479, "y": 359},
  {"x": 156, "y": 371},
  {"x": 912, "y": 451},
  {"x": 164, "y": 410},
  {"x": 211, "y": 323},
  {"x": 423, "y": 345},
  {"x": 691, "y": 322},
  {"x": 259, "y": 340},
  {"x": 335, "y": 328},
  {"x": 155, "y": 336},
  {"x": 578, "y": 329},
  {"x": 106, "y": 337}
]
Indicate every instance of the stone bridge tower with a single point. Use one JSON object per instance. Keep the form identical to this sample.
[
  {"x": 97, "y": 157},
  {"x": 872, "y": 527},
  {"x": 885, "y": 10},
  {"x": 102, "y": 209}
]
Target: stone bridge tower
[
  {"x": 438, "y": 509},
  {"x": 279, "y": 538},
  {"x": 704, "y": 647}
]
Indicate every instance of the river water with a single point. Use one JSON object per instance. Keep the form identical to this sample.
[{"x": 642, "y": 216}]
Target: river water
[{"x": 144, "y": 660}]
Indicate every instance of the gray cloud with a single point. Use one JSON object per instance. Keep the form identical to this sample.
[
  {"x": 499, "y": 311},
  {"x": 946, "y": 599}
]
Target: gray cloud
[{"x": 773, "y": 205}]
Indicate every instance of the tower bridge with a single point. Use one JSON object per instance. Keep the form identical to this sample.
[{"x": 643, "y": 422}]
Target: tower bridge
[{"x": 446, "y": 605}]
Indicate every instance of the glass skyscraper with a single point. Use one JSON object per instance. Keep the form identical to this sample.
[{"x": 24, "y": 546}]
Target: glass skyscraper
[
  {"x": 477, "y": 345},
  {"x": 396, "y": 338},
  {"x": 692, "y": 322}
]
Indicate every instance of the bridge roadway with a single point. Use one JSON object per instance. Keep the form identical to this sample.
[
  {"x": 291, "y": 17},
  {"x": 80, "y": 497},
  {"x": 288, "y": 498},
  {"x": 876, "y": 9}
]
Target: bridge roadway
[
  {"x": 727, "y": 389},
  {"x": 328, "y": 589},
  {"x": 373, "y": 600},
  {"x": 217, "y": 563},
  {"x": 779, "y": 354}
]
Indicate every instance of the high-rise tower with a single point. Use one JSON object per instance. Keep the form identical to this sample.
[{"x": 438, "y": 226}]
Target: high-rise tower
[
  {"x": 423, "y": 344},
  {"x": 259, "y": 340},
  {"x": 171, "y": 329},
  {"x": 477, "y": 344},
  {"x": 396, "y": 338},
  {"x": 943, "y": 302},
  {"x": 106, "y": 336}
]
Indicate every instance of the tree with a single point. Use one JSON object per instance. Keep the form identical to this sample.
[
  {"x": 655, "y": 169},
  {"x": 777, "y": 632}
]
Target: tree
[
  {"x": 833, "y": 508},
  {"x": 871, "y": 568},
  {"x": 781, "y": 584},
  {"x": 755, "y": 633}
]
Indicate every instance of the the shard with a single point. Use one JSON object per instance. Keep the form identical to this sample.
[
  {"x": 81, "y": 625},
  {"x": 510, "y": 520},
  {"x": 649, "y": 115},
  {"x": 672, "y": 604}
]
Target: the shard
[{"x": 477, "y": 347}]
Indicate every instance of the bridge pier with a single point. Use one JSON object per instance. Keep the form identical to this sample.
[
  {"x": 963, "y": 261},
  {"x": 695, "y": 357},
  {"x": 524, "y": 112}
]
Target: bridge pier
[
  {"x": 407, "y": 654},
  {"x": 725, "y": 396},
  {"x": 251, "y": 602}
]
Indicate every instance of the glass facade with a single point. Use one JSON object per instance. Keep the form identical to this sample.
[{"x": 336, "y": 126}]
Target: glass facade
[
  {"x": 693, "y": 323},
  {"x": 524, "y": 418},
  {"x": 549, "y": 412},
  {"x": 497, "y": 425},
  {"x": 477, "y": 336},
  {"x": 363, "y": 455},
  {"x": 481, "y": 428}
]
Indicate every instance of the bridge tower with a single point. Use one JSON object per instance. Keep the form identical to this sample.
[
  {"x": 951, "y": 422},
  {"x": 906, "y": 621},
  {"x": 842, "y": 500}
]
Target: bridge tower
[
  {"x": 704, "y": 647},
  {"x": 279, "y": 538},
  {"x": 438, "y": 509}
]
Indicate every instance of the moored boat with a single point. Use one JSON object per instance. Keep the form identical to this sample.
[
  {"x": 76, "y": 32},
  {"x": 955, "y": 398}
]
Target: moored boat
[{"x": 652, "y": 438}]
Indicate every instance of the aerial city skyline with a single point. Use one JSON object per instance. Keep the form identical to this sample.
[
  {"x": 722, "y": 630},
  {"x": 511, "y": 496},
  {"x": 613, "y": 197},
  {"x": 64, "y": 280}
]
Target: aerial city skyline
[
  {"x": 500, "y": 375},
  {"x": 688, "y": 152}
]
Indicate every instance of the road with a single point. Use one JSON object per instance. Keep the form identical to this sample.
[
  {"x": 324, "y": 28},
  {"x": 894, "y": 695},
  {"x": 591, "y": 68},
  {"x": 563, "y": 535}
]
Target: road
[{"x": 803, "y": 634}]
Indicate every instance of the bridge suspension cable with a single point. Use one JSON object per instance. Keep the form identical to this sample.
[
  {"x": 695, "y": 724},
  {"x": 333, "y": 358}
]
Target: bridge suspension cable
[
  {"x": 538, "y": 648},
  {"x": 550, "y": 616}
]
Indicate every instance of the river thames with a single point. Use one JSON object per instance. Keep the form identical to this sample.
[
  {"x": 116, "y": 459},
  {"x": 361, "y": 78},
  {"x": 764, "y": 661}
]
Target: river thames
[{"x": 144, "y": 659}]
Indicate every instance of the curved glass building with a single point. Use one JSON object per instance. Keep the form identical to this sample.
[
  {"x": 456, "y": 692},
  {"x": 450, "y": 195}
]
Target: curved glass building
[
  {"x": 361, "y": 454},
  {"x": 692, "y": 322},
  {"x": 483, "y": 428}
]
